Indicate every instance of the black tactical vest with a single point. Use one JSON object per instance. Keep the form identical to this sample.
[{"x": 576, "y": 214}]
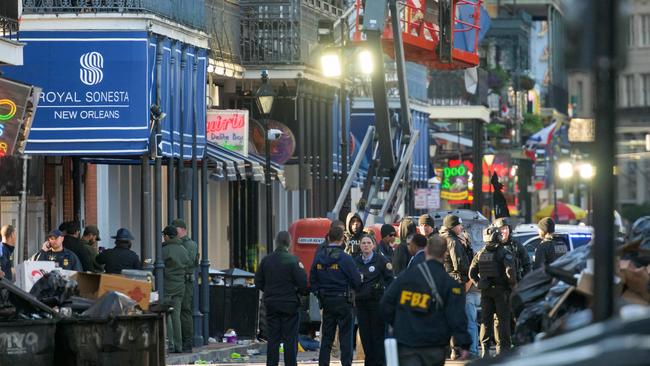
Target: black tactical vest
[{"x": 488, "y": 265}]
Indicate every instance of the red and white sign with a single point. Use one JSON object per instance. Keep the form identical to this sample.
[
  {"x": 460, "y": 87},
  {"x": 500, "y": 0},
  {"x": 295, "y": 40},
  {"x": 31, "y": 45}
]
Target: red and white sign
[{"x": 228, "y": 128}]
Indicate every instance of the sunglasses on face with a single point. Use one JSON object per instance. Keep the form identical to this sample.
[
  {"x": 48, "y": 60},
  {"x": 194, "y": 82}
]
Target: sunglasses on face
[{"x": 391, "y": 235}]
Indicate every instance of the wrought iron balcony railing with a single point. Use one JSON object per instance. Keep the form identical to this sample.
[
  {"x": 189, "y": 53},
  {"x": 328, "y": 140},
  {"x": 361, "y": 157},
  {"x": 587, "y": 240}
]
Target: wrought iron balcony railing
[
  {"x": 282, "y": 32},
  {"x": 9, "y": 26},
  {"x": 187, "y": 12}
]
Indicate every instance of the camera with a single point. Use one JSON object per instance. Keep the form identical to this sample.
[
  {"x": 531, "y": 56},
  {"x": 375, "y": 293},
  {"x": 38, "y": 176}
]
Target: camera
[{"x": 274, "y": 134}]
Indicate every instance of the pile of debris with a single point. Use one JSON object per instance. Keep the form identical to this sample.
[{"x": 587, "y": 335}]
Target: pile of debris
[
  {"x": 555, "y": 299},
  {"x": 63, "y": 308}
]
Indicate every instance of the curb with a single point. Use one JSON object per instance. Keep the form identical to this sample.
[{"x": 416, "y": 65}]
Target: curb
[{"x": 214, "y": 355}]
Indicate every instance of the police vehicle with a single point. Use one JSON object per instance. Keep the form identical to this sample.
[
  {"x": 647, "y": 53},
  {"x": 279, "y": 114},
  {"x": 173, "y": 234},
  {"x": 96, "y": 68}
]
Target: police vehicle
[{"x": 574, "y": 236}]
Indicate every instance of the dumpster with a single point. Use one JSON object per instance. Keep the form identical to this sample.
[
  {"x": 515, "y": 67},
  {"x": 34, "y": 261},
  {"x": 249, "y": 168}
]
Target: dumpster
[
  {"x": 233, "y": 307},
  {"x": 123, "y": 340},
  {"x": 27, "y": 342}
]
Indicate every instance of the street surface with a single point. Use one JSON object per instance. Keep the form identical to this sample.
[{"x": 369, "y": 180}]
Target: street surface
[{"x": 304, "y": 358}]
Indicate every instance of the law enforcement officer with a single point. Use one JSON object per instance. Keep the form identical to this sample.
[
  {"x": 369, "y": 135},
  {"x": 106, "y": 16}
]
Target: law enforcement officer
[
  {"x": 387, "y": 242},
  {"x": 376, "y": 273},
  {"x": 282, "y": 278},
  {"x": 89, "y": 243},
  {"x": 550, "y": 248},
  {"x": 426, "y": 226},
  {"x": 54, "y": 251},
  {"x": 426, "y": 308},
  {"x": 333, "y": 275},
  {"x": 121, "y": 257},
  {"x": 520, "y": 255},
  {"x": 8, "y": 245},
  {"x": 187, "y": 323},
  {"x": 176, "y": 262},
  {"x": 353, "y": 234},
  {"x": 417, "y": 247},
  {"x": 457, "y": 260},
  {"x": 493, "y": 272}
]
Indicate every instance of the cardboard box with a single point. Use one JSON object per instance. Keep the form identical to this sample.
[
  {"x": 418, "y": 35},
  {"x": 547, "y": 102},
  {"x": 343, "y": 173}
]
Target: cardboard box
[
  {"x": 585, "y": 284},
  {"x": 94, "y": 285}
]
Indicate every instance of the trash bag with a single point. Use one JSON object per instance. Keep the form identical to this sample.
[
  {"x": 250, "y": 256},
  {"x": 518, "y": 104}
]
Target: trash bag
[
  {"x": 111, "y": 304},
  {"x": 529, "y": 323},
  {"x": 18, "y": 304},
  {"x": 79, "y": 304},
  {"x": 531, "y": 288},
  {"x": 570, "y": 264},
  {"x": 53, "y": 289}
]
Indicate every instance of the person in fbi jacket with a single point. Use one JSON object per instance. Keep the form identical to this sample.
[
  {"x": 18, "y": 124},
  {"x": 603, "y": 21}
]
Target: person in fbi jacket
[
  {"x": 426, "y": 308},
  {"x": 333, "y": 276}
]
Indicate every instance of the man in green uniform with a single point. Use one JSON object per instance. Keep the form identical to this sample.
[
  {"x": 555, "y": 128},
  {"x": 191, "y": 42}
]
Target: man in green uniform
[
  {"x": 176, "y": 262},
  {"x": 187, "y": 323},
  {"x": 89, "y": 244}
]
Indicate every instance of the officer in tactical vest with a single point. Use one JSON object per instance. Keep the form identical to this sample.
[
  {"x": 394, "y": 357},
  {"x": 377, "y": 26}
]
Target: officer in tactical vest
[
  {"x": 550, "y": 248},
  {"x": 493, "y": 272},
  {"x": 520, "y": 255},
  {"x": 333, "y": 276}
]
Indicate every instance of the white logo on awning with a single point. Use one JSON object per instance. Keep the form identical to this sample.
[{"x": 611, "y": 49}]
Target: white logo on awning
[{"x": 91, "y": 72}]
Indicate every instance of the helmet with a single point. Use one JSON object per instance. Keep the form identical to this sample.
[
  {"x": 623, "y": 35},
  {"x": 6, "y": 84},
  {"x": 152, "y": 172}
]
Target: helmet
[
  {"x": 491, "y": 234},
  {"x": 641, "y": 231},
  {"x": 501, "y": 222}
]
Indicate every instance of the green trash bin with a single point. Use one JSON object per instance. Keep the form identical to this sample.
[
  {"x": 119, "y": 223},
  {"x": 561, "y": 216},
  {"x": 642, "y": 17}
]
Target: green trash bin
[
  {"x": 27, "y": 342},
  {"x": 124, "y": 340}
]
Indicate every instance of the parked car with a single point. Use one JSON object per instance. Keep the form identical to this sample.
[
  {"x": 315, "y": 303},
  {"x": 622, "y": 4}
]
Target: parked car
[{"x": 574, "y": 236}]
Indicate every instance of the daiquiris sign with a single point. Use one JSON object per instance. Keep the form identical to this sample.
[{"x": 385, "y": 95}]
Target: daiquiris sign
[
  {"x": 95, "y": 98},
  {"x": 228, "y": 128}
]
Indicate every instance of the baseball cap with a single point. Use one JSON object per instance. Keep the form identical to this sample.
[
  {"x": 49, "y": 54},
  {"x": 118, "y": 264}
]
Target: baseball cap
[
  {"x": 93, "y": 230},
  {"x": 179, "y": 223},
  {"x": 170, "y": 231},
  {"x": 451, "y": 220},
  {"x": 55, "y": 233},
  {"x": 426, "y": 219}
]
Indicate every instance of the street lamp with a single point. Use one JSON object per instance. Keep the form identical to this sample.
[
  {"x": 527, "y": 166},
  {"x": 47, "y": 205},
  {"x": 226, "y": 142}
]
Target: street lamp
[
  {"x": 366, "y": 65},
  {"x": 265, "y": 97},
  {"x": 565, "y": 170},
  {"x": 587, "y": 171},
  {"x": 330, "y": 63}
]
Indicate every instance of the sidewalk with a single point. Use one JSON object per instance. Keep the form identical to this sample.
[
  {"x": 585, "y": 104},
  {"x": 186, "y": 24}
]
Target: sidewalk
[{"x": 215, "y": 353}]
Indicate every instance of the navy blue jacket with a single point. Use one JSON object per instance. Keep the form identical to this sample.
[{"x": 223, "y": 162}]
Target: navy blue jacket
[
  {"x": 7, "y": 260},
  {"x": 333, "y": 272},
  {"x": 377, "y": 275},
  {"x": 419, "y": 257},
  {"x": 417, "y": 322}
]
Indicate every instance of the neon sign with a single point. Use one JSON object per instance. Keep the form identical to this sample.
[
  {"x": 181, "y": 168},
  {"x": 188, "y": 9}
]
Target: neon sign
[
  {"x": 455, "y": 182},
  {"x": 12, "y": 109}
]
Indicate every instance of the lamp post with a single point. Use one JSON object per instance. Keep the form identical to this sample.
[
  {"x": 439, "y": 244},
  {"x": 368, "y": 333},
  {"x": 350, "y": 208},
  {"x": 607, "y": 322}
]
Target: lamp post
[
  {"x": 264, "y": 97},
  {"x": 587, "y": 173}
]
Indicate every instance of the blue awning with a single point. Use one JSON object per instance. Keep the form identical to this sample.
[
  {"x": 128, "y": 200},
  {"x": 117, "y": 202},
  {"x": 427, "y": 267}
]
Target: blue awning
[
  {"x": 98, "y": 88},
  {"x": 251, "y": 166}
]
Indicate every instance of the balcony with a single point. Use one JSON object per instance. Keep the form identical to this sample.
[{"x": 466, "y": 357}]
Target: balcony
[
  {"x": 282, "y": 32},
  {"x": 186, "y": 12},
  {"x": 223, "y": 28},
  {"x": 11, "y": 52},
  {"x": 447, "y": 88}
]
